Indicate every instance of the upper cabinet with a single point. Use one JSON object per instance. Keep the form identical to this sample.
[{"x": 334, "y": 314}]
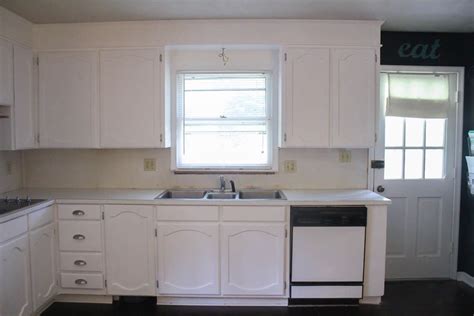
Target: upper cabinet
[
  {"x": 306, "y": 103},
  {"x": 353, "y": 98},
  {"x": 6, "y": 73},
  {"x": 130, "y": 98},
  {"x": 329, "y": 97},
  {"x": 68, "y": 108}
]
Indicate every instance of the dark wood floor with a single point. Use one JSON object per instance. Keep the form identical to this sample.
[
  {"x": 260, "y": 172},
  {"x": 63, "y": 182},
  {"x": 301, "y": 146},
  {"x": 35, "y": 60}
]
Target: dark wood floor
[{"x": 407, "y": 298}]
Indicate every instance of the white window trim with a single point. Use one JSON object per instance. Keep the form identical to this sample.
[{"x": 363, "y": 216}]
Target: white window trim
[{"x": 272, "y": 108}]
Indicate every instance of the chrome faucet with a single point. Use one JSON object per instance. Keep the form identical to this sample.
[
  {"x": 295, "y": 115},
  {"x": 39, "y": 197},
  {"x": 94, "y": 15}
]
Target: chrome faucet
[{"x": 222, "y": 183}]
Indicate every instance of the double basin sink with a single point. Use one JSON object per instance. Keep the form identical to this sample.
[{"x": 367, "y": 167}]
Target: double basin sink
[{"x": 218, "y": 195}]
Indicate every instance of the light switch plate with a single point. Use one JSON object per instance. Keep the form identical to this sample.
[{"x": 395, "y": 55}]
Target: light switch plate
[
  {"x": 149, "y": 164},
  {"x": 345, "y": 156},
  {"x": 289, "y": 166}
]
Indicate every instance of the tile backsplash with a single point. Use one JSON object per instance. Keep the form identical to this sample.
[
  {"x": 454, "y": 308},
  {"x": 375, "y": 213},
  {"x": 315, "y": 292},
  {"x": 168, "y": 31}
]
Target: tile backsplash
[{"x": 10, "y": 170}]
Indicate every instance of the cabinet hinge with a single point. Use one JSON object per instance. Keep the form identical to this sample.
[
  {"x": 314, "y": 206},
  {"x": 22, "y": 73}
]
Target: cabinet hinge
[
  {"x": 286, "y": 57},
  {"x": 161, "y": 58},
  {"x": 284, "y": 137},
  {"x": 156, "y": 232},
  {"x": 157, "y": 284},
  {"x": 36, "y": 60},
  {"x": 458, "y": 96},
  {"x": 161, "y": 138},
  {"x": 105, "y": 283},
  {"x": 375, "y": 137},
  {"x": 103, "y": 215},
  {"x": 38, "y": 138},
  {"x": 284, "y": 285},
  {"x": 451, "y": 251},
  {"x": 286, "y": 232}
]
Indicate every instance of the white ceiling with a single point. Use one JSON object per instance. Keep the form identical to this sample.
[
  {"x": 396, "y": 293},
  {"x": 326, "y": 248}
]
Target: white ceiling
[{"x": 400, "y": 15}]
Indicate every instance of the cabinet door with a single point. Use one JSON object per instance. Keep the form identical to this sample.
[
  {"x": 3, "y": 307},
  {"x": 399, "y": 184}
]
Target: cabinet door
[
  {"x": 23, "y": 110},
  {"x": 253, "y": 259},
  {"x": 188, "y": 258},
  {"x": 353, "y": 98},
  {"x": 306, "y": 107},
  {"x": 6, "y": 73},
  {"x": 68, "y": 99},
  {"x": 15, "y": 283},
  {"x": 43, "y": 264},
  {"x": 129, "y": 250},
  {"x": 130, "y": 88}
]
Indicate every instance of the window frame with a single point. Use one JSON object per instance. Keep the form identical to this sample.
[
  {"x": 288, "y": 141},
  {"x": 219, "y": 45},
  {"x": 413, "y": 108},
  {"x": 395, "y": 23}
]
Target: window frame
[{"x": 271, "y": 118}]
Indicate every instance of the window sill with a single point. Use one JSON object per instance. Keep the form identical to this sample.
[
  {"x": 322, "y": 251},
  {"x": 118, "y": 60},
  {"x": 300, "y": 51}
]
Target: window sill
[{"x": 223, "y": 171}]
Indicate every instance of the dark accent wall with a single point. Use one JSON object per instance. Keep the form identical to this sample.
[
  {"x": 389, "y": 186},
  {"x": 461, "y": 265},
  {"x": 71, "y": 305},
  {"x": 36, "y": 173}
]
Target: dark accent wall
[{"x": 443, "y": 49}]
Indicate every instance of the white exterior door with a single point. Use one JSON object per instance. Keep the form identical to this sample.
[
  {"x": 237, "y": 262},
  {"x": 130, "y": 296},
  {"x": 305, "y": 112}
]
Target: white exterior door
[
  {"x": 253, "y": 259},
  {"x": 188, "y": 258},
  {"x": 68, "y": 99},
  {"x": 419, "y": 177},
  {"x": 129, "y": 248},
  {"x": 43, "y": 264},
  {"x": 15, "y": 281},
  {"x": 130, "y": 81}
]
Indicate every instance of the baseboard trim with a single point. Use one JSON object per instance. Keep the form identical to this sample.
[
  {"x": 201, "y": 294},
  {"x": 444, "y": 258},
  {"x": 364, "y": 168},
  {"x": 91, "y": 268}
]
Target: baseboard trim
[
  {"x": 221, "y": 301},
  {"x": 466, "y": 278},
  {"x": 81, "y": 298},
  {"x": 371, "y": 300}
]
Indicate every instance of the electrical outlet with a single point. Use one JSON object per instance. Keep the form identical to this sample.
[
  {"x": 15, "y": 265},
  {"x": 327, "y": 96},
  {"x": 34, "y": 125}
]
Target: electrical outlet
[
  {"x": 9, "y": 168},
  {"x": 289, "y": 166},
  {"x": 345, "y": 156},
  {"x": 149, "y": 164}
]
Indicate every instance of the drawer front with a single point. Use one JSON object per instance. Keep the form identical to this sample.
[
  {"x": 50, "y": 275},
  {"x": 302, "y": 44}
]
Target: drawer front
[
  {"x": 81, "y": 212},
  {"x": 13, "y": 228},
  {"x": 41, "y": 217},
  {"x": 253, "y": 213},
  {"x": 82, "y": 280},
  {"x": 80, "y": 236},
  {"x": 187, "y": 213},
  {"x": 76, "y": 261}
]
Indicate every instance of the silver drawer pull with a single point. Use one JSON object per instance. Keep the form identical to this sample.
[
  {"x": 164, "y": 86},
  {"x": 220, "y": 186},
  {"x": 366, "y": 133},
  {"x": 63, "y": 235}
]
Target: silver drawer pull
[
  {"x": 80, "y": 282},
  {"x": 80, "y": 263},
  {"x": 78, "y": 213},
  {"x": 79, "y": 237}
]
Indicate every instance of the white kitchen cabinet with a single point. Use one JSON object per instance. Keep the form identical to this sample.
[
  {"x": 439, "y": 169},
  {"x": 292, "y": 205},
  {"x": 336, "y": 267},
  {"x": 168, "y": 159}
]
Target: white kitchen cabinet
[
  {"x": 306, "y": 104},
  {"x": 129, "y": 249},
  {"x": 253, "y": 259},
  {"x": 15, "y": 280},
  {"x": 188, "y": 258},
  {"x": 130, "y": 98},
  {"x": 353, "y": 73},
  {"x": 43, "y": 264},
  {"x": 6, "y": 72},
  {"x": 24, "y": 122},
  {"x": 68, "y": 111}
]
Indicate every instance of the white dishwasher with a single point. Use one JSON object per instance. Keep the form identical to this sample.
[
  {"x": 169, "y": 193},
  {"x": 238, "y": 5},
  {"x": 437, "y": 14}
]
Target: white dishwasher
[{"x": 327, "y": 253}]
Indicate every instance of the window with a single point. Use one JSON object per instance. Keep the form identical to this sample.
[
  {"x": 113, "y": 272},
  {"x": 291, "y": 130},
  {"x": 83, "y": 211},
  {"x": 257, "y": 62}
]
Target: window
[{"x": 224, "y": 121}]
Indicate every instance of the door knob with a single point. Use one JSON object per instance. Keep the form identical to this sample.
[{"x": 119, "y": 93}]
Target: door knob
[{"x": 380, "y": 189}]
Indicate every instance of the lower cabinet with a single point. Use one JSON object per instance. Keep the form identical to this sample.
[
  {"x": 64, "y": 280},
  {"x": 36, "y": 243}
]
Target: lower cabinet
[
  {"x": 188, "y": 258},
  {"x": 15, "y": 283},
  {"x": 253, "y": 259},
  {"x": 43, "y": 266},
  {"x": 129, "y": 248}
]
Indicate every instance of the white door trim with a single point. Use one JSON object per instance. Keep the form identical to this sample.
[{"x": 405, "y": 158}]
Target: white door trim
[{"x": 458, "y": 158}]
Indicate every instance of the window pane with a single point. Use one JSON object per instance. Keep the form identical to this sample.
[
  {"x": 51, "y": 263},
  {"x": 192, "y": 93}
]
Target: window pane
[
  {"x": 413, "y": 163},
  {"x": 393, "y": 131},
  {"x": 414, "y": 132},
  {"x": 393, "y": 164},
  {"x": 434, "y": 163},
  {"x": 435, "y": 130}
]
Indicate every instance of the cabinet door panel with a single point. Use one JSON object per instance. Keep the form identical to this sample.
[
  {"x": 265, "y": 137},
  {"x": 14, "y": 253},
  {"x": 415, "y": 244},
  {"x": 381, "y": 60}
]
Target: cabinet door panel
[
  {"x": 188, "y": 258},
  {"x": 6, "y": 73},
  {"x": 130, "y": 98},
  {"x": 68, "y": 99},
  {"x": 253, "y": 259},
  {"x": 43, "y": 264},
  {"x": 23, "y": 110},
  {"x": 353, "y": 98},
  {"x": 306, "y": 106},
  {"x": 129, "y": 243},
  {"x": 15, "y": 282}
]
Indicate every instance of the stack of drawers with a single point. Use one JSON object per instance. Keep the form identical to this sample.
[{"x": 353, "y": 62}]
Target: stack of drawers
[{"x": 81, "y": 256}]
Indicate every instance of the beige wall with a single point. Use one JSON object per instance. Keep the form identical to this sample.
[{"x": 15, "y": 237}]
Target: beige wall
[
  {"x": 10, "y": 180},
  {"x": 316, "y": 168}
]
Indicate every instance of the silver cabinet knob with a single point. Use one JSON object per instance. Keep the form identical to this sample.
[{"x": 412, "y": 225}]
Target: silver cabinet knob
[
  {"x": 79, "y": 237},
  {"x": 80, "y": 263},
  {"x": 380, "y": 189},
  {"x": 80, "y": 282},
  {"x": 78, "y": 213}
]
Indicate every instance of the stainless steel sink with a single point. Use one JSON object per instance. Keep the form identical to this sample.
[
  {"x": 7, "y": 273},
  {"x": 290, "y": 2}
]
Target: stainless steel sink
[
  {"x": 182, "y": 194},
  {"x": 222, "y": 195},
  {"x": 262, "y": 195}
]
